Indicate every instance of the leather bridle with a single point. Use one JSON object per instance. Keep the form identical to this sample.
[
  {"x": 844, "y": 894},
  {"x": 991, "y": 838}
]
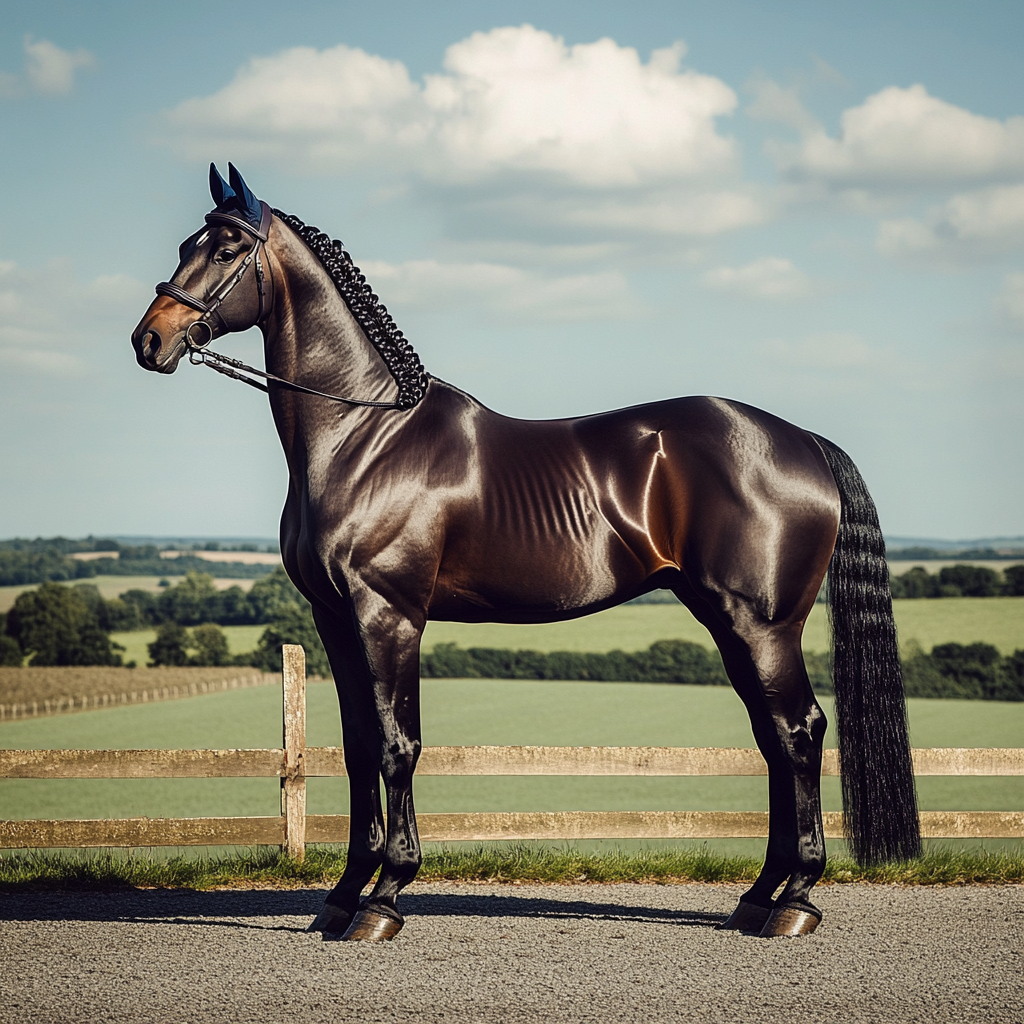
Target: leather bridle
[
  {"x": 198, "y": 353},
  {"x": 209, "y": 308}
]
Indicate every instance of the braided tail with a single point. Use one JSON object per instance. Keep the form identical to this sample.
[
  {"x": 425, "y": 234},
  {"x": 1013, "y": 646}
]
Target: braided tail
[{"x": 879, "y": 800}]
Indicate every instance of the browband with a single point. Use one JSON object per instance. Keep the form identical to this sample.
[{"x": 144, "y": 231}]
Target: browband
[{"x": 266, "y": 215}]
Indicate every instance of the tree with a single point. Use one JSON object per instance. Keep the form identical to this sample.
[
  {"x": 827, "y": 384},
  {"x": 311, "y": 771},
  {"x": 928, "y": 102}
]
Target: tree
[
  {"x": 971, "y": 580},
  {"x": 170, "y": 646},
  {"x": 915, "y": 582},
  {"x": 293, "y": 626},
  {"x": 270, "y": 596},
  {"x": 58, "y": 625},
  {"x": 193, "y": 600},
  {"x": 974, "y": 667},
  {"x": 10, "y": 651},
  {"x": 211, "y": 646},
  {"x": 1014, "y": 576}
]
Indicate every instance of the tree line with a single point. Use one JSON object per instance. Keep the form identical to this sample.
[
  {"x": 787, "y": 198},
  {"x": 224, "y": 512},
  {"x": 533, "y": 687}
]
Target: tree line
[
  {"x": 958, "y": 671},
  {"x": 48, "y": 560},
  {"x": 959, "y": 581},
  {"x": 60, "y": 625}
]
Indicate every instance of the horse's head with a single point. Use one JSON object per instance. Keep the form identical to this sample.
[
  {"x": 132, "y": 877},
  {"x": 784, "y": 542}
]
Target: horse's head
[{"x": 222, "y": 283}]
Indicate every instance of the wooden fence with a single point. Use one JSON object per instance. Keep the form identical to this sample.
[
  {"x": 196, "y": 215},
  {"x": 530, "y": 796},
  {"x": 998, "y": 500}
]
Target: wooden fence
[{"x": 294, "y": 762}]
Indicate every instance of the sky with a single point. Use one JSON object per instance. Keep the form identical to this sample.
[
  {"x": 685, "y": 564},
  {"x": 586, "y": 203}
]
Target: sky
[{"x": 817, "y": 209}]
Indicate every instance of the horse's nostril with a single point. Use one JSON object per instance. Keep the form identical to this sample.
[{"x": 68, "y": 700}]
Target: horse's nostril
[{"x": 150, "y": 344}]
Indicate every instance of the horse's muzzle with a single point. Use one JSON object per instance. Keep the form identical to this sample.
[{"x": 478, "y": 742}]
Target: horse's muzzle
[{"x": 158, "y": 349}]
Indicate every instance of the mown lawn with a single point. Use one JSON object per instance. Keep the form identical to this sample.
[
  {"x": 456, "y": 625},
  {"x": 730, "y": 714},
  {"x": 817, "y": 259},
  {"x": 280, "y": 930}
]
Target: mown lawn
[{"x": 478, "y": 711}]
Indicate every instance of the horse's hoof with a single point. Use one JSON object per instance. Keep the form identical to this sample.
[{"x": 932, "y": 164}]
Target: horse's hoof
[
  {"x": 790, "y": 921},
  {"x": 372, "y": 926},
  {"x": 331, "y": 919},
  {"x": 747, "y": 917}
]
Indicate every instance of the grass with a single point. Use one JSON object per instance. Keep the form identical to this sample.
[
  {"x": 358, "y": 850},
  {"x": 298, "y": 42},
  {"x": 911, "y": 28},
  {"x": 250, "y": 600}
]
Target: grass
[
  {"x": 995, "y": 620},
  {"x": 459, "y": 712},
  {"x": 267, "y": 867}
]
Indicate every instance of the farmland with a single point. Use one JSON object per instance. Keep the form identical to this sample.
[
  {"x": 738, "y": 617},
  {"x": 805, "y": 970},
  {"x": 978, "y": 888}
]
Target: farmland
[
  {"x": 482, "y": 711},
  {"x": 113, "y": 586},
  {"x": 995, "y": 620}
]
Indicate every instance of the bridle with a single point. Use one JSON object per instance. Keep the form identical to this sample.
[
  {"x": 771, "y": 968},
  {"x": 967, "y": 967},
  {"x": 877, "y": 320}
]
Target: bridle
[
  {"x": 198, "y": 352},
  {"x": 211, "y": 308}
]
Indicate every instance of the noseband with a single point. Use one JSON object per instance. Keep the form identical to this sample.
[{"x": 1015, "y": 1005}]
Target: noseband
[{"x": 199, "y": 354}]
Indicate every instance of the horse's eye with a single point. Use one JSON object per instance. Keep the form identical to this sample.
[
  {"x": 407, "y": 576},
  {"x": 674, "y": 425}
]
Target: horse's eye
[{"x": 227, "y": 256}]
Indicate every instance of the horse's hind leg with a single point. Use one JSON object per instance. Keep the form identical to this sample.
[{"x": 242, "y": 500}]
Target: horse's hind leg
[{"x": 766, "y": 667}]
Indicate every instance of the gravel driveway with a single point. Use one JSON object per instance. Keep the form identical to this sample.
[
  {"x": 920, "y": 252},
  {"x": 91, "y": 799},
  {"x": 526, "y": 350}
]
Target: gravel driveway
[{"x": 601, "y": 953}]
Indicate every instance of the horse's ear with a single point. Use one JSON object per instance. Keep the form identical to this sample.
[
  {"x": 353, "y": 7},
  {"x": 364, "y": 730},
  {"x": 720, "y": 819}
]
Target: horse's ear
[
  {"x": 220, "y": 190},
  {"x": 249, "y": 203}
]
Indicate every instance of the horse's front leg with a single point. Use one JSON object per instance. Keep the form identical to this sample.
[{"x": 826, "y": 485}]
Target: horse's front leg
[
  {"x": 392, "y": 644},
  {"x": 360, "y": 737}
]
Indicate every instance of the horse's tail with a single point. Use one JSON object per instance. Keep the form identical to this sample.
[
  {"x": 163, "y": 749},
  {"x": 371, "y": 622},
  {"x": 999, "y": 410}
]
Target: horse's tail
[{"x": 879, "y": 800}]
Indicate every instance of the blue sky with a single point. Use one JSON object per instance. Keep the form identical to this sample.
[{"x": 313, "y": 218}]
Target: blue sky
[{"x": 815, "y": 209}]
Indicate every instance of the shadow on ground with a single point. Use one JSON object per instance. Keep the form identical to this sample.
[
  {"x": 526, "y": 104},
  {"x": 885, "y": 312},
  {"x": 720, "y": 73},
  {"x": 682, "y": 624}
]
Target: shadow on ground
[{"x": 231, "y": 908}]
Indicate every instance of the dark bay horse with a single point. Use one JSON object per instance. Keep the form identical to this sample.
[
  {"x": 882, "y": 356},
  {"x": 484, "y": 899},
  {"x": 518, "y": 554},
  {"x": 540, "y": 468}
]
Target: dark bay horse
[{"x": 408, "y": 500}]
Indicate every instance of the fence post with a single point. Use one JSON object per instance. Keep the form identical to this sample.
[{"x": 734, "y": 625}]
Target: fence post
[{"x": 293, "y": 784}]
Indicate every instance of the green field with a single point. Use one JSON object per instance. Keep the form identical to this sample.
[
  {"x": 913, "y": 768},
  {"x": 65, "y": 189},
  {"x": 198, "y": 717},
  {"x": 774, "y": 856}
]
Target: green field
[
  {"x": 241, "y": 640},
  {"x": 485, "y": 711},
  {"x": 996, "y": 620}
]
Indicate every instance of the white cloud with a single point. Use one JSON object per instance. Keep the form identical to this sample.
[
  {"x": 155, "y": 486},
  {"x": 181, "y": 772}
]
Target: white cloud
[
  {"x": 48, "y": 69},
  {"x": 769, "y": 278},
  {"x": 832, "y": 350},
  {"x": 900, "y": 137},
  {"x": 518, "y": 128},
  {"x": 511, "y": 100},
  {"x": 51, "y": 70},
  {"x": 985, "y": 222},
  {"x": 49, "y": 320},
  {"x": 509, "y": 291},
  {"x": 1010, "y": 302}
]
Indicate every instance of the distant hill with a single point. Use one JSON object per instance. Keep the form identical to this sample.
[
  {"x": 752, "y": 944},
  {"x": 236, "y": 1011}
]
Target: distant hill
[{"x": 923, "y": 548}]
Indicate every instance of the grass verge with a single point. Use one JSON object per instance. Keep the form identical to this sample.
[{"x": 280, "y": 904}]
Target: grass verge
[{"x": 267, "y": 867}]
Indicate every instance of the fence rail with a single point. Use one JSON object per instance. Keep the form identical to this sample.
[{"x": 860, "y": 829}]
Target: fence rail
[{"x": 294, "y": 762}]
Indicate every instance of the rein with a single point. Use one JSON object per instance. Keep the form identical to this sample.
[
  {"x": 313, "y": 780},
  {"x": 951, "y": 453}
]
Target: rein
[{"x": 200, "y": 355}]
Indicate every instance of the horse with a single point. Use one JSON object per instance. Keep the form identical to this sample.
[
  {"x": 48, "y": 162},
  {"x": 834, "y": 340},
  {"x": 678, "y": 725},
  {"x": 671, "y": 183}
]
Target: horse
[{"x": 408, "y": 500}]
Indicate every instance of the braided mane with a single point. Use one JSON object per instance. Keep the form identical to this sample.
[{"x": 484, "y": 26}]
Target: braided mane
[{"x": 399, "y": 357}]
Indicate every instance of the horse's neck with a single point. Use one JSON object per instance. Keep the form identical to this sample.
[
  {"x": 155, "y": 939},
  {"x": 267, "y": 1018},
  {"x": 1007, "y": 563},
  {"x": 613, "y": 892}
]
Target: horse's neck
[{"x": 314, "y": 340}]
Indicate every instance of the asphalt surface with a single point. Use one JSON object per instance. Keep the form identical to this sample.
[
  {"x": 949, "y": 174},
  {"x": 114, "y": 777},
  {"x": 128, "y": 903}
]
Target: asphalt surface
[{"x": 559, "y": 954}]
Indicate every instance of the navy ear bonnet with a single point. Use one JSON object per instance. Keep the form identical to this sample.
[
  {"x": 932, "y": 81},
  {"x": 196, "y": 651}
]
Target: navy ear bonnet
[{"x": 235, "y": 197}]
